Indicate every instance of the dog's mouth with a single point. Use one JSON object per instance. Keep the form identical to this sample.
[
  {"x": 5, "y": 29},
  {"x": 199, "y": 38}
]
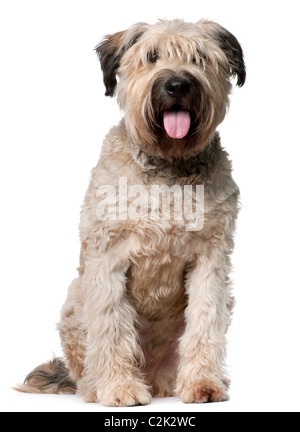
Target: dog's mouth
[{"x": 177, "y": 123}]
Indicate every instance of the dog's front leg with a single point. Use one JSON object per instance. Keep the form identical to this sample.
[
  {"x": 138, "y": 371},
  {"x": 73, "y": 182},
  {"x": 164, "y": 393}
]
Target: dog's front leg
[
  {"x": 113, "y": 355},
  {"x": 201, "y": 375}
]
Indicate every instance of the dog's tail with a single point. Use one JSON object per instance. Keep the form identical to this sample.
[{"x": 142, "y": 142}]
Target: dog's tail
[{"x": 49, "y": 378}]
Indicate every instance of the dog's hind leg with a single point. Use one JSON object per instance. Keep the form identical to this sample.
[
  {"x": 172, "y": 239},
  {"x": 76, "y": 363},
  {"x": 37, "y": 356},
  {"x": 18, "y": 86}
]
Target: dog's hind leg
[{"x": 72, "y": 332}]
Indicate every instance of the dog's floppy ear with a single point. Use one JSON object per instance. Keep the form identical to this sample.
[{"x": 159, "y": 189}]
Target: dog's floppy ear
[
  {"x": 110, "y": 52},
  {"x": 231, "y": 48},
  {"x": 234, "y": 53}
]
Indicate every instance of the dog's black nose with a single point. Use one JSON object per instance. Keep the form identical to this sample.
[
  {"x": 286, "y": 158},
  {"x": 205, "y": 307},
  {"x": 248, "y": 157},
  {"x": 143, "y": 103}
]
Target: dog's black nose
[{"x": 177, "y": 87}]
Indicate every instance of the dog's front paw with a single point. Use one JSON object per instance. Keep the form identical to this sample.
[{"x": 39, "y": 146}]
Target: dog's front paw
[
  {"x": 125, "y": 394},
  {"x": 203, "y": 391}
]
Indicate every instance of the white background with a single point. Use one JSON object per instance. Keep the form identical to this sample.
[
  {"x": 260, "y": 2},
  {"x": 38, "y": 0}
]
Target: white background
[{"x": 54, "y": 116}]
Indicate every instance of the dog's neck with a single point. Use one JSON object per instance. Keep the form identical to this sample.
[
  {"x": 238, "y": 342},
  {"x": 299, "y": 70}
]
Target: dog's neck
[{"x": 200, "y": 164}]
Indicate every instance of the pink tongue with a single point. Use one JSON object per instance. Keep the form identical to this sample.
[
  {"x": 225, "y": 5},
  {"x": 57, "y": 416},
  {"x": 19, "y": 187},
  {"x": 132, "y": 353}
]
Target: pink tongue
[{"x": 177, "y": 123}]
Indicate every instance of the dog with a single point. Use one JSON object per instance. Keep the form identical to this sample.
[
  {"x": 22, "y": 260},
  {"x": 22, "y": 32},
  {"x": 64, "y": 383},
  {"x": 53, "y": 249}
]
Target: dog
[{"x": 149, "y": 312}]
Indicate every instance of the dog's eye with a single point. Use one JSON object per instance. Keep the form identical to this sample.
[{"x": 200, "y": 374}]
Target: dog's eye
[
  {"x": 153, "y": 56},
  {"x": 194, "y": 61}
]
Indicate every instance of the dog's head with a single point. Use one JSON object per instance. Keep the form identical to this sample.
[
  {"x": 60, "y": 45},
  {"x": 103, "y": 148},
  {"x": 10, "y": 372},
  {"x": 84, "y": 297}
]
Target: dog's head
[{"x": 173, "y": 82}]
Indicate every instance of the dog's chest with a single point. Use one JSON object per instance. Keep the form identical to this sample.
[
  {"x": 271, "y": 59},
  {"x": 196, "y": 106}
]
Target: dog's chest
[{"x": 156, "y": 280}]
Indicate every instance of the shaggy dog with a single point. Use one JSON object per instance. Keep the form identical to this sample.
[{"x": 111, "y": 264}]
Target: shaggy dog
[{"x": 149, "y": 312}]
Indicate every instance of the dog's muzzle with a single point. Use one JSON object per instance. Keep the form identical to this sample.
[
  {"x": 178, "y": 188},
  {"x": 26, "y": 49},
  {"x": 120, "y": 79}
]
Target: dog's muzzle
[
  {"x": 176, "y": 102},
  {"x": 177, "y": 123}
]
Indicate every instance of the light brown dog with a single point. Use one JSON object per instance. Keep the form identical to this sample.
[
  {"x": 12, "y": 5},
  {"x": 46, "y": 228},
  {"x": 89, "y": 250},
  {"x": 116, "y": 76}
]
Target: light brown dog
[{"x": 149, "y": 312}]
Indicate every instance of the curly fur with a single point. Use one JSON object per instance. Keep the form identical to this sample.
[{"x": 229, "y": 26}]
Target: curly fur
[{"x": 148, "y": 314}]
